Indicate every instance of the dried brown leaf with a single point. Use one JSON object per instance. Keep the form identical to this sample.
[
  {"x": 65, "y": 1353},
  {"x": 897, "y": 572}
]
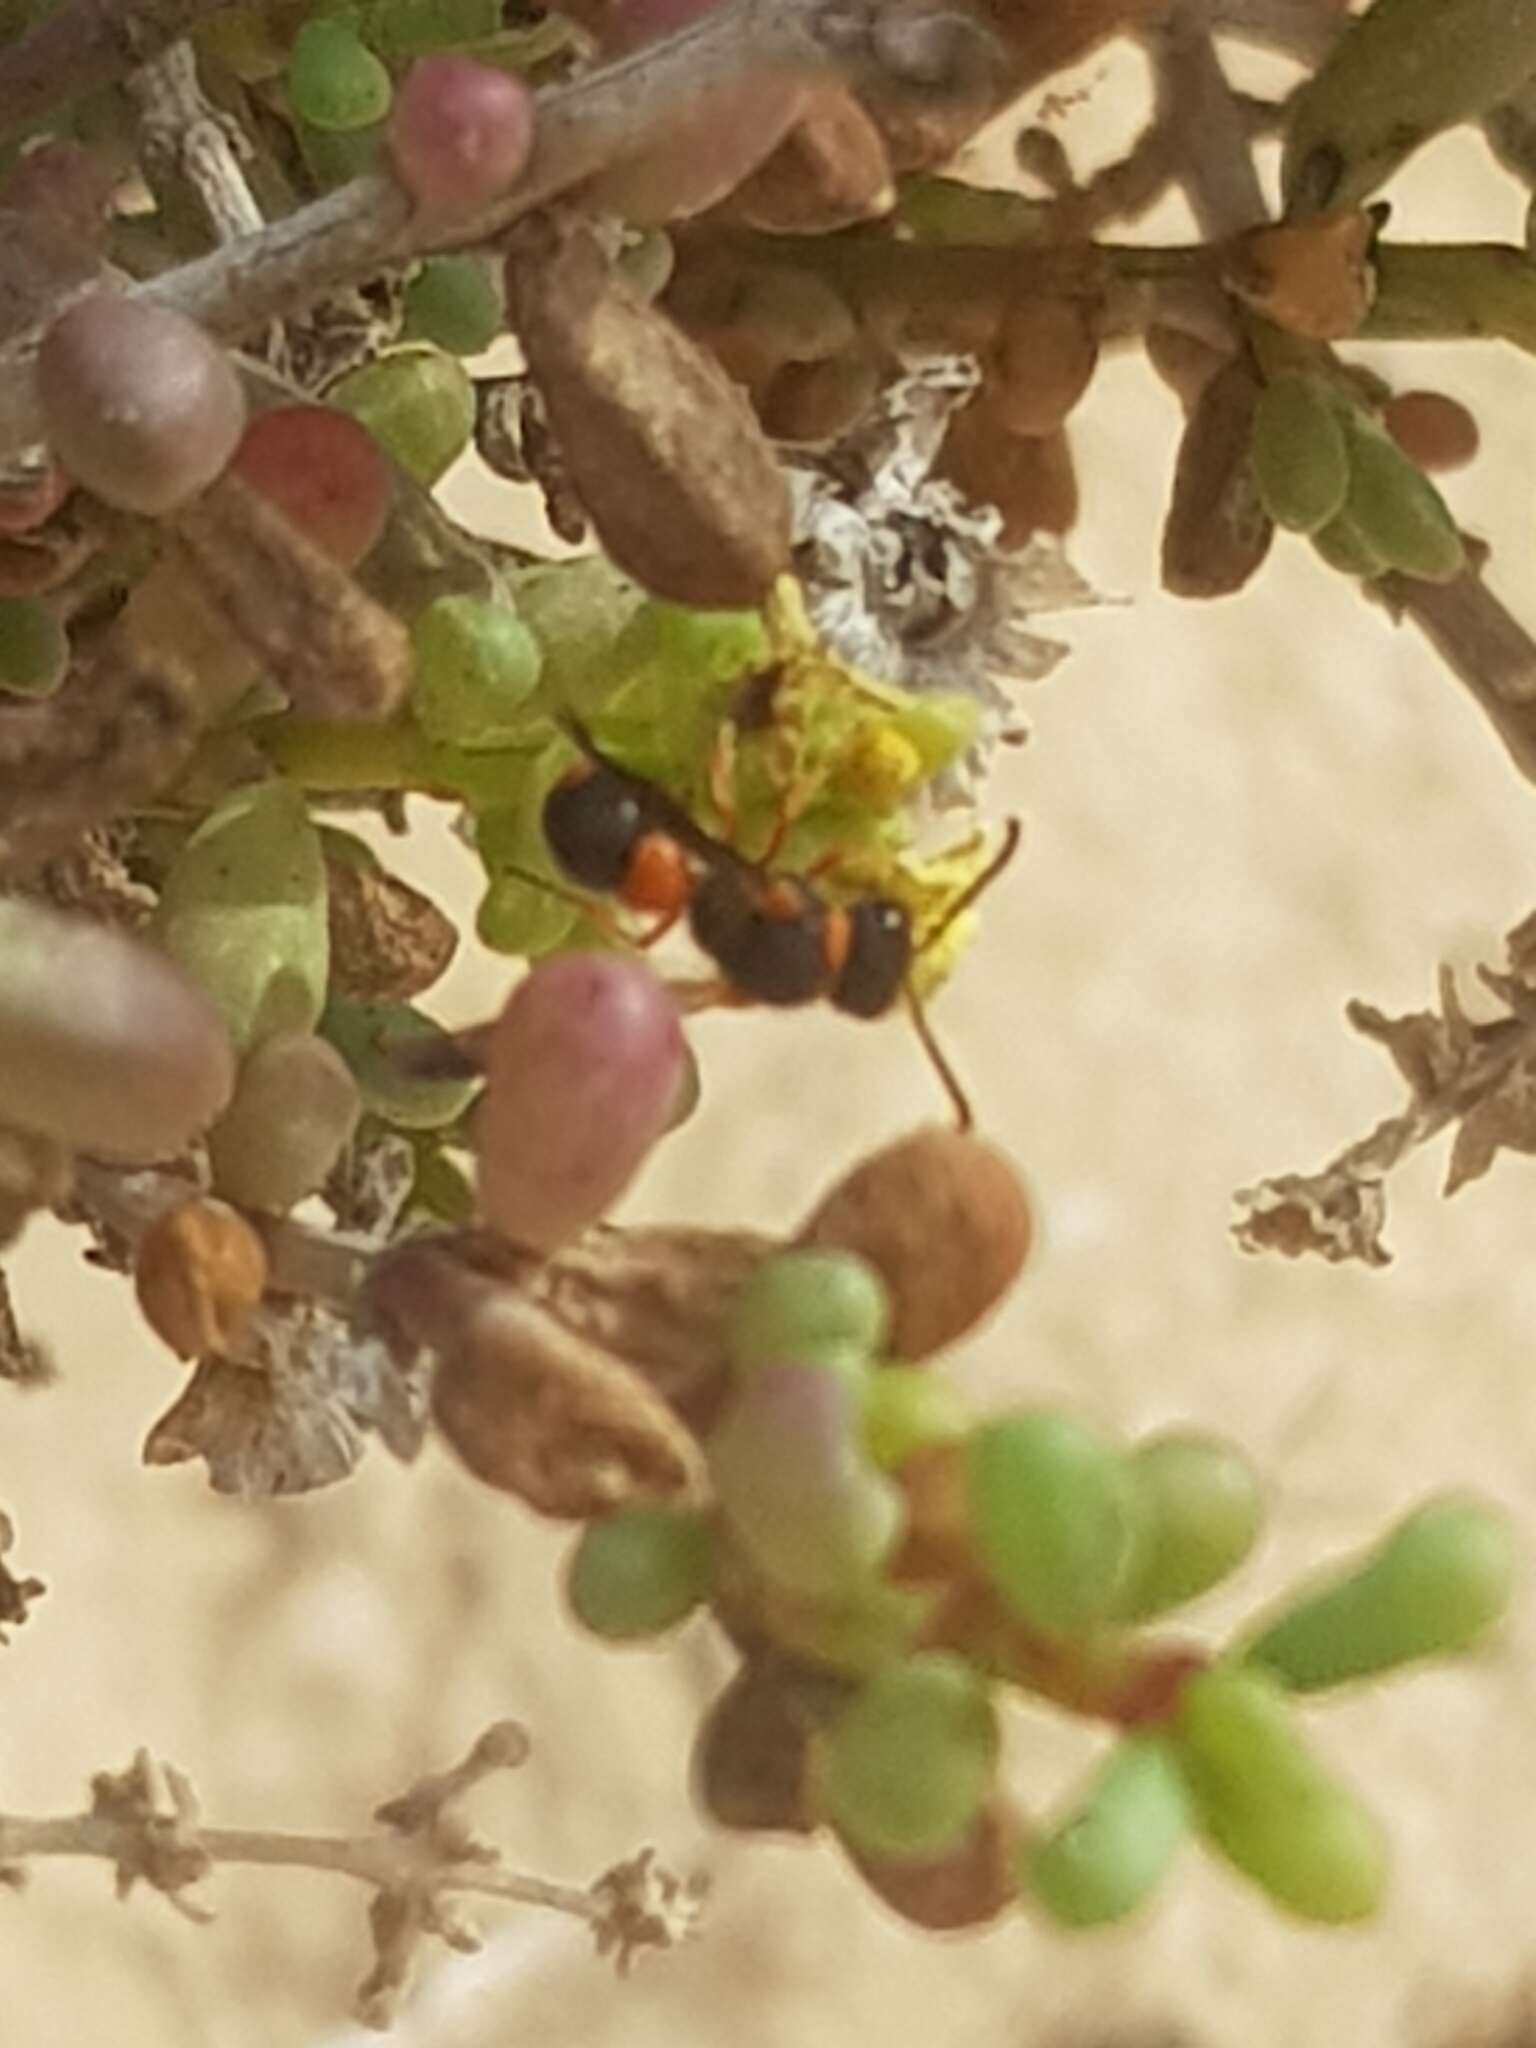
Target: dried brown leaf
[
  {"x": 336, "y": 652},
  {"x": 1428, "y": 1050},
  {"x": 1480, "y": 1077},
  {"x": 830, "y": 171},
  {"x": 532, "y": 1409},
  {"x": 389, "y": 942},
  {"x": 1216, "y": 533},
  {"x": 1501, "y": 1120},
  {"x": 662, "y": 448},
  {"x": 659, "y": 1298},
  {"x": 1332, "y": 1214}
]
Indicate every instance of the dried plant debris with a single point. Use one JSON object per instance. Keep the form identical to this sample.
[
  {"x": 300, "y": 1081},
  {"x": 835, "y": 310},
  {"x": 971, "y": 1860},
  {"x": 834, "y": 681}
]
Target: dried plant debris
[
  {"x": 333, "y": 650},
  {"x": 905, "y": 580},
  {"x": 419, "y": 1861},
  {"x": 662, "y": 448},
  {"x": 153, "y": 1813},
  {"x": 16, "y": 1595},
  {"x": 93, "y": 876},
  {"x": 567, "y": 1425},
  {"x": 372, "y": 1182},
  {"x": 389, "y": 942},
  {"x": 513, "y": 437},
  {"x": 1479, "y": 1077},
  {"x": 641, "y": 1904},
  {"x": 293, "y": 1413},
  {"x": 23, "y": 1360}
]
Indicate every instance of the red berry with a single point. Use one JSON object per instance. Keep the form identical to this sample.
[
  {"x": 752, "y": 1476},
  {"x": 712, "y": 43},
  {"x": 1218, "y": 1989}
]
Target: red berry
[
  {"x": 459, "y": 133},
  {"x": 325, "y": 471},
  {"x": 1432, "y": 429}
]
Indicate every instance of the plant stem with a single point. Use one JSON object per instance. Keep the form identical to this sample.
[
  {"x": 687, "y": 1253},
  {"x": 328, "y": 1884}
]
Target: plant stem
[
  {"x": 353, "y": 233},
  {"x": 321, "y": 755},
  {"x": 386, "y": 1862},
  {"x": 84, "y": 45}
]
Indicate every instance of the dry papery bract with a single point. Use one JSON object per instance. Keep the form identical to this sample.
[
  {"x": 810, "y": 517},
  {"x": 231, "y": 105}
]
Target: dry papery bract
[
  {"x": 908, "y": 581},
  {"x": 599, "y": 1361},
  {"x": 1479, "y": 1077},
  {"x": 420, "y": 1861}
]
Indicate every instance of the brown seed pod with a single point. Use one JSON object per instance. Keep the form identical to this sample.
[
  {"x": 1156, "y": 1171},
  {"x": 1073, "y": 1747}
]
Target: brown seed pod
[
  {"x": 663, "y": 450},
  {"x": 1217, "y": 532},
  {"x": 942, "y": 1216},
  {"x": 756, "y": 317},
  {"x": 1032, "y": 483},
  {"x": 139, "y": 404},
  {"x": 812, "y": 402},
  {"x": 968, "y": 1887},
  {"x": 1185, "y": 362},
  {"x": 751, "y": 1756},
  {"x": 533, "y": 1409},
  {"x": 1041, "y": 363},
  {"x": 830, "y": 171},
  {"x": 199, "y": 1274}
]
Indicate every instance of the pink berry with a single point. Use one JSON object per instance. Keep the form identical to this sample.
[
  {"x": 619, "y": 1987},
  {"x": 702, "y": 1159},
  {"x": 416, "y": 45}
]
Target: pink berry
[
  {"x": 139, "y": 404},
  {"x": 459, "y": 133},
  {"x": 583, "y": 1069}
]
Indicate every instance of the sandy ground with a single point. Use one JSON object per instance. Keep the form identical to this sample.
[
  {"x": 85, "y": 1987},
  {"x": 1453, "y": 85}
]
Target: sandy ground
[{"x": 1237, "y": 819}]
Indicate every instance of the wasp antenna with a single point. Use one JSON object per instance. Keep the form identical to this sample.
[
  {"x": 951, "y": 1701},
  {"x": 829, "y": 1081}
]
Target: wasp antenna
[
  {"x": 1013, "y": 832},
  {"x": 949, "y": 1080}
]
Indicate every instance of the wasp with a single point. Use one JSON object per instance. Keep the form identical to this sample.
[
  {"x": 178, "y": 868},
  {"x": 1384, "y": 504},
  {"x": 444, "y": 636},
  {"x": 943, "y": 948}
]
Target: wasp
[{"x": 774, "y": 938}]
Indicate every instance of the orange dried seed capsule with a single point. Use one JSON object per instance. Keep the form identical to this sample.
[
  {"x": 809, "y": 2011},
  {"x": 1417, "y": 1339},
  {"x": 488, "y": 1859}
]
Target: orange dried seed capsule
[
  {"x": 200, "y": 1274},
  {"x": 1314, "y": 278}
]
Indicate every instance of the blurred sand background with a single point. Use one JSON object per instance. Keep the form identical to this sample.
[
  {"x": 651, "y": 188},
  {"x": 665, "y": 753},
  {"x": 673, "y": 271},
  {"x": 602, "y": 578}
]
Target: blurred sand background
[{"x": 1237, "y": 818}]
